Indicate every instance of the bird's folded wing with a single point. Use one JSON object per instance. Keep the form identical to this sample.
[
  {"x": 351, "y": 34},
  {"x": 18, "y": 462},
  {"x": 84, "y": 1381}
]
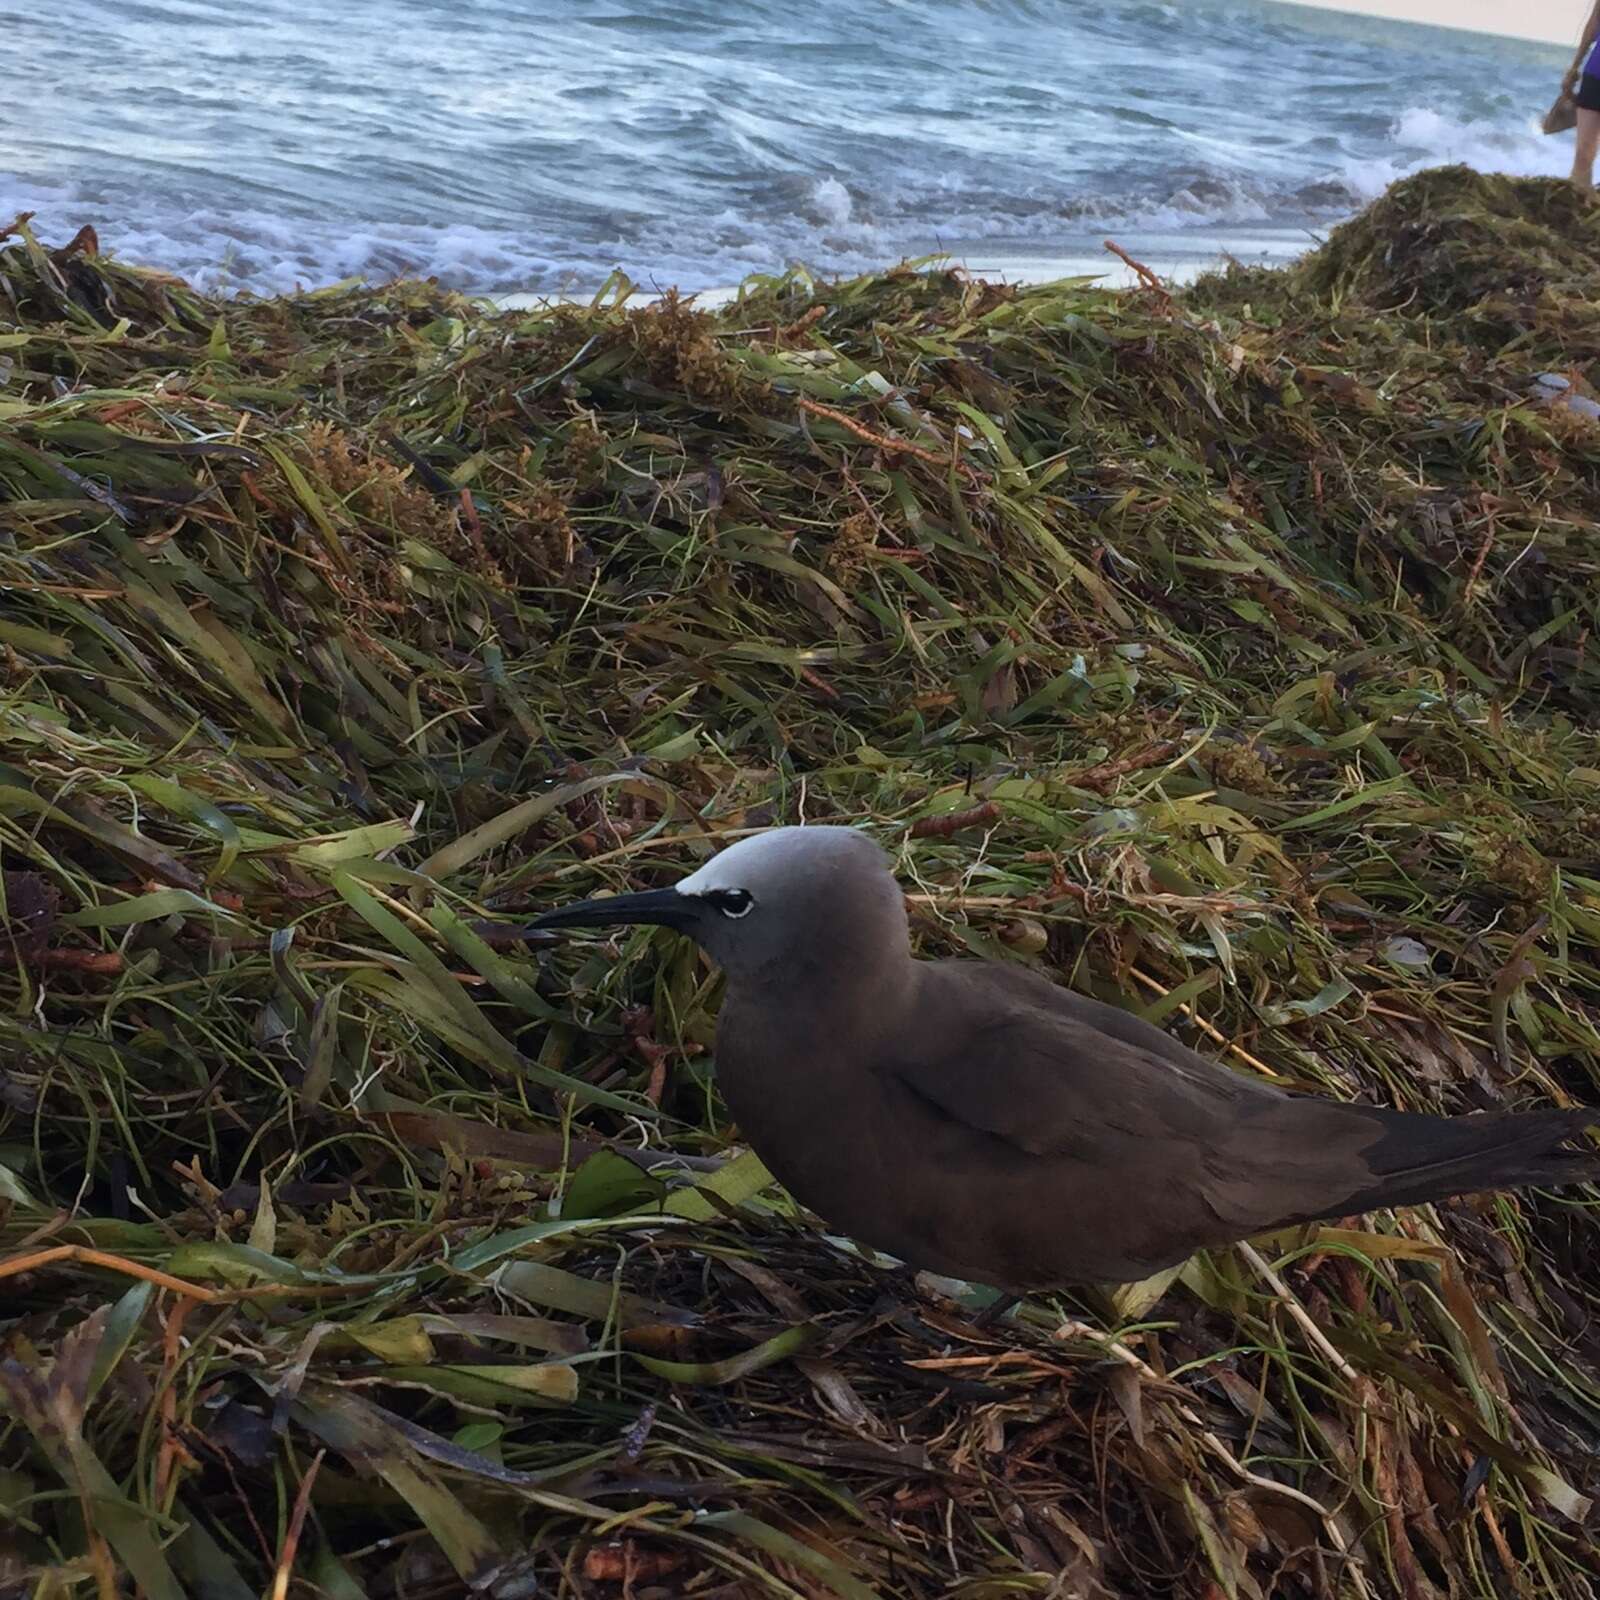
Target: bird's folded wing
[
  {"x": 1183, "y": 1141},
  {"x": 1052, "y": 1084}
]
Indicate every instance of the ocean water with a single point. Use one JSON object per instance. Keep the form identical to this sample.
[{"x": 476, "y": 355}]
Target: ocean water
[{"x": 535, "y": 145}]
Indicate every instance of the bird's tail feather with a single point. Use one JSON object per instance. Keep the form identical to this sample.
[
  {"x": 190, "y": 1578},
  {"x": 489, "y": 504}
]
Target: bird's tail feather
[{"x": 1418, "y": 1159}]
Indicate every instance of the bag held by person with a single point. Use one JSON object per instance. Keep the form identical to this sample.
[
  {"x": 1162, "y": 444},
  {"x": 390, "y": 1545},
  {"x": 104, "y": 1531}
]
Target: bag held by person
[{"x": 1562, "y": 115}]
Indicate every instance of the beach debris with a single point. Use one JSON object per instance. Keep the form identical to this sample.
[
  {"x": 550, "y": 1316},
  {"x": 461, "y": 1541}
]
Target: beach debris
[
  {"x": 1551, "y": 389},
  {"x": 338, "y": 628}
]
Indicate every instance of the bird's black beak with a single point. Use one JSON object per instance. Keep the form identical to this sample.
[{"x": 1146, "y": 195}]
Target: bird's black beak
[{"x": 664, "y": 908}]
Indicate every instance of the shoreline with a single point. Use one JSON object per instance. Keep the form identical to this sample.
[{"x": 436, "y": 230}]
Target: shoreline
[{"x": 1176, "y": 255}]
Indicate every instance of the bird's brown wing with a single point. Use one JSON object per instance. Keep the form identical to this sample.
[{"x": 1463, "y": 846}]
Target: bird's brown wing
[
  {"x": 1064, "y": 1153},
  {"x": 1023, "y": 986},
  {"x": 1190, "y": 1150},
  {"x": 1057, "y": 1075}
]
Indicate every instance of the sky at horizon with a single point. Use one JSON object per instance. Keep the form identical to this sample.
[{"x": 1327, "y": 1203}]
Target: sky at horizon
[{"x": 1551, "y": 21}]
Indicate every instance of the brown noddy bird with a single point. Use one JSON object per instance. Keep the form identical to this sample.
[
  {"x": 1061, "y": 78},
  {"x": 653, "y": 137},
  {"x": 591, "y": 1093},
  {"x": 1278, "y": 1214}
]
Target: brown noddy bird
[{"x": 975, "y": 1119}]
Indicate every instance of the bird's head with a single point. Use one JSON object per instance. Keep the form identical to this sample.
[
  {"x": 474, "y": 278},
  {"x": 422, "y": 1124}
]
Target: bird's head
[{"x": 774, "y": 904}]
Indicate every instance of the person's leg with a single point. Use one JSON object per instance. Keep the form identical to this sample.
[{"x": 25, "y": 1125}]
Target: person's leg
[{"x": 1583, "y": 150}]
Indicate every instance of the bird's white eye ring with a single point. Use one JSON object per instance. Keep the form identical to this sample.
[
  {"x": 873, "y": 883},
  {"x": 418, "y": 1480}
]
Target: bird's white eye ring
[{"x": 734, "y": 903}]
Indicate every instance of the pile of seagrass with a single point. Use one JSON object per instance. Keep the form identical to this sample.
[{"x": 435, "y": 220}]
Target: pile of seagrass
[{"x": 1228, "y": 655}]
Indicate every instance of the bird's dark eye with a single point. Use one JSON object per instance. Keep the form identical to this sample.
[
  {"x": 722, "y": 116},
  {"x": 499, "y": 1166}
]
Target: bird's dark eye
[{"x": 732, "y": 902}]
